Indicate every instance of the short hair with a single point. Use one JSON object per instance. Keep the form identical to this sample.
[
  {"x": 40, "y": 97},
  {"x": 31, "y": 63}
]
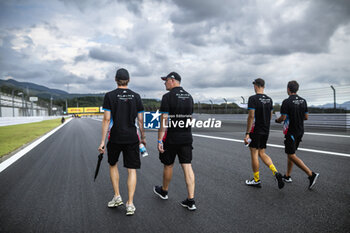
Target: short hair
[
  {"x": 259, "y": 82},
  {"x": 293, "y": 86},
  {"x": 122, "y": 82}
]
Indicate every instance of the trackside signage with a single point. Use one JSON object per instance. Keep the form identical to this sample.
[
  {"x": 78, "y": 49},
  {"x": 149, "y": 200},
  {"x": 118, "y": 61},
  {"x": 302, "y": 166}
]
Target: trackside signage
[
  {"x": 91, "y": 109},
  {"x": 75, "y": 110}
]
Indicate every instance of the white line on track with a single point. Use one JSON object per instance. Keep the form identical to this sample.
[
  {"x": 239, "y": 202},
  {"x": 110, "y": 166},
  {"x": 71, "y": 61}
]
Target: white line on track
[
  {"x": 21, "y": 153},
  {"x": 273, "y": 145},
  {"x": 319, "y": 134}
]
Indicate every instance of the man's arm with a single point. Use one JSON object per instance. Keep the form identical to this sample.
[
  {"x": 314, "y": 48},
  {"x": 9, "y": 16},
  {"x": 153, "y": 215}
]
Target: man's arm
[
  {"x": 250, "y": 120},
  {"x": 105, "y": 124},
  {"x": 306, "y": 116},
  {"x": 142, "y": 130},
  {"x": 281, "y": 118},
  {"x": 161, "y": 131}
]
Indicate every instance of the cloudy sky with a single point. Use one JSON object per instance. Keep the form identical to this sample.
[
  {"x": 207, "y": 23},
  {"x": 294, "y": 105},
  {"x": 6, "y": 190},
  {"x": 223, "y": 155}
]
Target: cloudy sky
[{"x": 218, "y": 47}]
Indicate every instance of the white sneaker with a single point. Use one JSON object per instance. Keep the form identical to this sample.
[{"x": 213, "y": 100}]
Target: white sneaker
[
  {"x": 116, "y": 201},
  {"x": 287, "y": 179},
  {"x": 130, "y": 209},
  {"x": 253, "y": 183}
]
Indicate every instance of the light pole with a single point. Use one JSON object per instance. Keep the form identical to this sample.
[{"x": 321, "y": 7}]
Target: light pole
[
  {"x": 225, "y": 105},
  {"x": 22, "y": 95},
  {"x": 335, "y": 102},
  {"x": 211, "y": 105},
  {"x": 13, "y": 102},
  {"x": 0, "y": 104},
  {"x": 50, "y": 112},
  {"x": 243, "y": 100}
]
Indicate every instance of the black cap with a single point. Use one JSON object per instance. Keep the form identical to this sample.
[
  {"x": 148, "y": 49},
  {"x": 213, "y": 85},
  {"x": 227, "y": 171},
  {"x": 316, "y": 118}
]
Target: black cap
[
  {"x": 173, "y": 75},
  {"x": 259, "y": 82},
  {"x": 122, "y": 74}
]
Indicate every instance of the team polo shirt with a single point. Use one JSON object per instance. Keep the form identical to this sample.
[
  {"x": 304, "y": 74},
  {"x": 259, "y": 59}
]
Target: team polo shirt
[
  {"x": 124, "y": 105},
  {"x": 294, "y": 108},
  {"x": 262, "y": 106},
  {"x": 178, "y": 104}
]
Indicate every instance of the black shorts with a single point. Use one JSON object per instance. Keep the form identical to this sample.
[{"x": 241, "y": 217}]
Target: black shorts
[
  {"x": 131, "y": 154},
  {"x": 258, "y": 140},
  {"x": 184, "y": 152},
  {"x": 291, "y": 143}
]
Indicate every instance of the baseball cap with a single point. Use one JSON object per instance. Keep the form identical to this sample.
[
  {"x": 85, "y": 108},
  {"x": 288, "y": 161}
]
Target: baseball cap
[
  {"x": 122, "y": 74},
  {"x": 173, "y": 75},
  {"x": 259, "y": 82}
]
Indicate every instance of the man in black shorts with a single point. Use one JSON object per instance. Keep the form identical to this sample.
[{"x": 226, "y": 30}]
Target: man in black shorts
[
  {"x": 259, "y": 108},
  {"x": 293, "y": 112},
  {"x": 121, "y": 107},
  {"x": 177, "y": 106}
]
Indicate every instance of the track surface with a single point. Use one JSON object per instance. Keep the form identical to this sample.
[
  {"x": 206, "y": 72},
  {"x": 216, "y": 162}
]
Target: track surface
[{"x": 51, "y": 189}]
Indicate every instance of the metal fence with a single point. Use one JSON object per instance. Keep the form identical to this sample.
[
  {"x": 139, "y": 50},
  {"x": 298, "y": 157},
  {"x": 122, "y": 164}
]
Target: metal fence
[
  {"x": 14, "y": 106},
  {"x": 333, "y": 120},
  {"x": 327, "y": 99}
]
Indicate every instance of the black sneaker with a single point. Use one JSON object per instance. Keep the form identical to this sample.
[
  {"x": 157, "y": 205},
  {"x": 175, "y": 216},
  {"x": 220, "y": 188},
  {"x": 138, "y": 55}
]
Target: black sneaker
[
  {"x": 313, "y": 179},
  {"x": 160, "y": 192},
  {"x": 287, "y": 179},
  {"x": 253, "y": 183},
  {"x": 189, "y": 204},
  {"x": 279, "y": 180}
]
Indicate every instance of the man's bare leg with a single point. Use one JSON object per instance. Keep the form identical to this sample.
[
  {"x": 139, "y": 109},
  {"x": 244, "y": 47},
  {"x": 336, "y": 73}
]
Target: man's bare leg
[
  {"x": 114, "y": 174},
  {"x": 289, "y": 167},
  {"x": 189, "y": 178},
  {"x": 300, "y": 163},
  {"x": 167, "y": 175},
  {"x": 132, "y": 179}
]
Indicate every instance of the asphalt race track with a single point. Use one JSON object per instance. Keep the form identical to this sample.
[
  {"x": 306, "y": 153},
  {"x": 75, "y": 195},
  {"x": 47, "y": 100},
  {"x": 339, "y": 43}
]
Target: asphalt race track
[{"x": 51, "y": 188}]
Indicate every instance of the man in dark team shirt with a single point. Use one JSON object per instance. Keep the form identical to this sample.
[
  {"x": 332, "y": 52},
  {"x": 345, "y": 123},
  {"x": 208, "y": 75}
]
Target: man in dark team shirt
[
  {"x": 259, "y": 109},
  {"x": 121, "y": 107},
  {"x": 176, "y": 108},
  {"x": 293, "y": 112}
]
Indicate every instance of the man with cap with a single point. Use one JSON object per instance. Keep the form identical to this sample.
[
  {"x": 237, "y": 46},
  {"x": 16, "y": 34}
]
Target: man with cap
[
  {"x": 260, "y": 108},
  {"x": 173, "y": 139},
  {"x": 121, "y": 107},
  {"x": 293, "y": 112}
]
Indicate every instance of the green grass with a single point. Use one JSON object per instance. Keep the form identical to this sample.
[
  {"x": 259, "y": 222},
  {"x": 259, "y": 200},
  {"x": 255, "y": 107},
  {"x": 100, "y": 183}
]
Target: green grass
[{"x": 14, "y": 136}]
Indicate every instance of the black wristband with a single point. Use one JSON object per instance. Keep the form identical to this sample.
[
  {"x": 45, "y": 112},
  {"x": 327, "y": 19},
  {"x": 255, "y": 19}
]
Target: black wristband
[{"x": 246, "y": 133}]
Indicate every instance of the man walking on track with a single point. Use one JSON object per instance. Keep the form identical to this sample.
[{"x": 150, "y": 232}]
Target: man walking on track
[
  {"x": 293, "y": 112},
  {"x": 259, "y": 109},
  {"x": 121, "y": 107},
  {"x": 177, "y": 105}
]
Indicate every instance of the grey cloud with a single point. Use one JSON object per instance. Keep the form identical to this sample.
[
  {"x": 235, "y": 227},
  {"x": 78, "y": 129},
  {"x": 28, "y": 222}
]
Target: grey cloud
[
  {"x": 143, "y": 36},
  {"x": 194, "y": 33},
  {"x": 311, "y": 34},
  {"x": 22, "y": 75},
  {"x": 133, "y": 5},
  {"x": 84, "y": 5},
  {"x": 231, "y": 76},
  {"x": 80, "y": 58},
  {"x": 64, "y": 78},
  {"x": 105, "y": 54},
  {"x": 199, "y": 10},
  {"x": 238, "y": 22}
]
